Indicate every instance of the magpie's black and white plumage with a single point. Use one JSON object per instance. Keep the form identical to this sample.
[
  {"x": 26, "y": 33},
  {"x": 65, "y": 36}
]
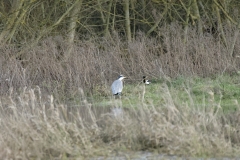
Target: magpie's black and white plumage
[
  {"x": 145, "y": 81},
  {"x": 117, "y": 85}
]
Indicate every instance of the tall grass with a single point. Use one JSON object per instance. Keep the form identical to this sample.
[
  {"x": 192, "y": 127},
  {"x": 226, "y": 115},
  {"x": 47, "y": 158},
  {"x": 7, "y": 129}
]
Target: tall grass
[
  {"x": 32, "y": 127},
  {"x": 95, "y": 62}
]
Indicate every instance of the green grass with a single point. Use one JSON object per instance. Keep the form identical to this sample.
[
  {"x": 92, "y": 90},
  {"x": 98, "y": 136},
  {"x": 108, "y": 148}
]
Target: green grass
[{"x": 226, "y": 90}]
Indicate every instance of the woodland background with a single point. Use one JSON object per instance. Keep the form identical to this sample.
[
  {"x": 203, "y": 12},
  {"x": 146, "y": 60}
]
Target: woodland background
[
  {"x": 58, "y": 59},
  {"x": 64, "y": 45}
]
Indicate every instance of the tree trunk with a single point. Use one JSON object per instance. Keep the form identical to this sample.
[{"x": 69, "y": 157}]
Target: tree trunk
[
  {"x": 143, "y": 13},
  {"x": 134, "y": 21},
  {"x": 106, "y": 31},
  {"x": 220, "y": 27},
  {"x": 16, "y": 8},
  {"x": 197, "y": 14},
  {"x": 114, "y": 15},
  {"x": 127, "y": 21},
  {"x": 72, "y": 25},
  {"x": 186, "y": 24},
  {"x": 101, "y": 11}
]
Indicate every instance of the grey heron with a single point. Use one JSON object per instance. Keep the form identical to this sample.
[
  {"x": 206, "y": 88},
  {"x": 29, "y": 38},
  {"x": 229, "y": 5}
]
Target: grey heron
[
  {"x": 117, "y": 85},
  {"x": 145, "y": 81}
]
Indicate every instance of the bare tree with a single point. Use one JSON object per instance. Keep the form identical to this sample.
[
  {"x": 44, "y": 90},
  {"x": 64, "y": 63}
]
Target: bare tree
[
  {"x": 73, "y": 24},
  {"x": 127, "y": 20}
]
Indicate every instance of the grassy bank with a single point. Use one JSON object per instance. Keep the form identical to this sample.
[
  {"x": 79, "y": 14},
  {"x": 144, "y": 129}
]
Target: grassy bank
[
  {"x": 195, "y": 91},
  {"x": 184, "y": 116}
]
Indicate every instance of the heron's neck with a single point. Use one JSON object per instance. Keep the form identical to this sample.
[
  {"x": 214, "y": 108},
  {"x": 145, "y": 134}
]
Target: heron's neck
[{"x": 121, "y": 78}]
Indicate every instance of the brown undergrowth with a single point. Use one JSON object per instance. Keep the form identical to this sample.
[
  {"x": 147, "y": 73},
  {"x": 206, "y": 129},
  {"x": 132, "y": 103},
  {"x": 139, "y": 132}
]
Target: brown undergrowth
[
  {"x": 42, "y": 129},
  {"x": 94, "y": 63}
]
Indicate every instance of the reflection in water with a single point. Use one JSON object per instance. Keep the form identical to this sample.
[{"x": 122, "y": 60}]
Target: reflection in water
[{"x": 117, "y": 112}]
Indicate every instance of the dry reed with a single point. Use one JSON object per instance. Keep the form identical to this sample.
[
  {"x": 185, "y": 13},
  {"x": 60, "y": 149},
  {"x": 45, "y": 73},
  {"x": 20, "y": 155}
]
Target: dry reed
[
  {"x": 94, "y": 63},
  {"x": 41, "y": 129}
]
